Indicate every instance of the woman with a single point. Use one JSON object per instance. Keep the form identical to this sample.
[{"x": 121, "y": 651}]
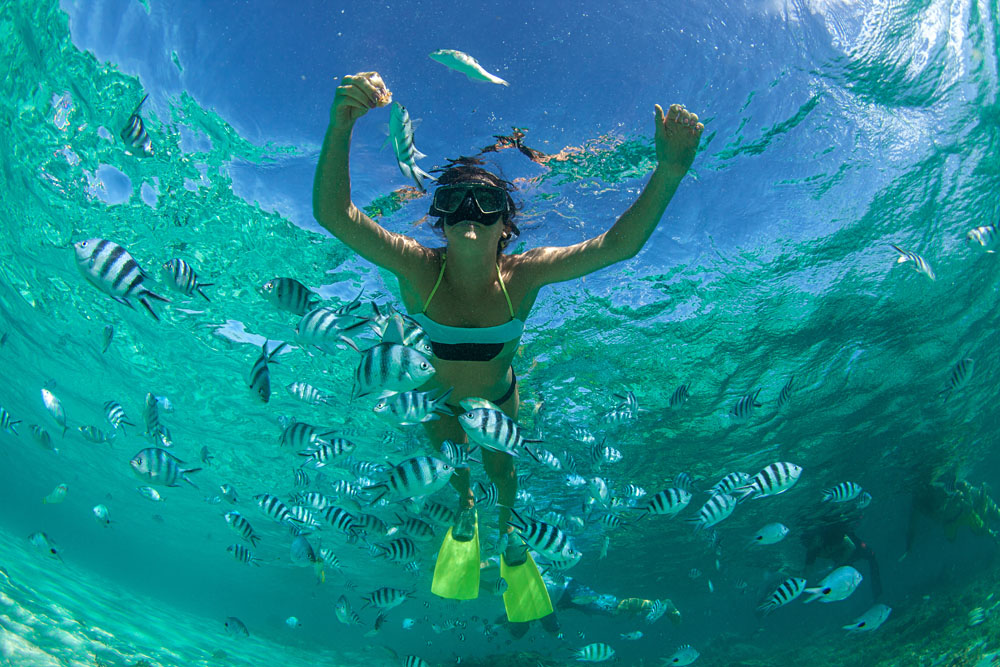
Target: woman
[{"x": 473, "y": 300}]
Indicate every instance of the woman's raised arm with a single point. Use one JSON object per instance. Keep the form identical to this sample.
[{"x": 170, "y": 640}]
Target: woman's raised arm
[
  {"x": 332, "y": 205},
  {"x": 676, "y": 138}
]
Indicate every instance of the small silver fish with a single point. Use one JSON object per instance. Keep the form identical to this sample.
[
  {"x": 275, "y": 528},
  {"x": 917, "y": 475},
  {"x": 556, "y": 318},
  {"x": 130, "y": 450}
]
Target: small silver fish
[
  {"x": 149, "y": 493},
  {"x": 55, "y": 408},
  {"x": 401, "y": 137},
  {"x": 920, "y": 264},
  {"x": 106, "y": 336},
  {"x": 101, "y": 515},
  {"x": 466, "y": 64}
]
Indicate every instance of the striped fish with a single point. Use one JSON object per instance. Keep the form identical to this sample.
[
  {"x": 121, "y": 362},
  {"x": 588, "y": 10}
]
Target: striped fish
[
  {"x": 629, "y": 402},
  {"x": 361, "y": 468},
  {"x": 548, "y": 459},
  {"x": 920, "y": 264},
  {"x": 787, "y": 591},
  {"x": 717, "y": 509},
  {"x": 302, "y": 517},
  {"x": 458, "y": 455},
  {"x": 229, "y": 493},
  {"x": 667, "y": 502},
  {"x": 413, "y": 478},
  {"x": 771, "y": 481},
  {"x": 603, "y": 453},
  {"x": 400, "y": 550},
  {"x": 631, "y": 491},
  {"x": 596, "y": 652},
  {"x": 181, "y": 277},
  {"x": 243, "y": 554},
  {"x": 242, "y": 527},
  {"x": 274, "y": 507},
  {"x": 548, "y": 540},
  {"x": 680, "y": 396},
  {"x": 151, "y": 416},
  {"x": 300, "y": 435},
  {"x": 115, "y": 414},
  {"x": 134, "y": 133},
  {"x": 111, "y": 269},
  {"x": 158, "y": 466},
  {"x": 415, "y": 528},
  {"x": 438, "y": 513},
  {"x": 55, "y": 408},
  {"x": 415, "y": 661},
  {"x": 401, "y": 138},
  {"x": 308, "y": 393},
  {"x": 344, "y": 613},
  {"x": 300, "y": 478},
  {"x": 730, "y": 482},
  {"x": 961, "y": 373},
  {"x": 610, "y": 521},
  {"x": 373, "y": 525},
  {"x": 488, "y": 496},
  {"x": 95, "y": 435},
  {"x": 328, "y": 557},
  {"x": 386, "y": 598},
  {"x": 986, "y": 236},
  {"x": 842, "y": 492},
  {"x": 260, "y": 374},
  {"x": 492, "y": 429},
  {"x": 744, "y": 407},
  {"x": 413, "y": 407},
  {"x": 657, "y": 610},
  {"x": 290, "y": 295},
  {"x": 618, "y": 415},
  {"x": 312, "y": 499},
  {"x": 341, "y": 519},
  {"x": 326, "y": 452},
  {"x": 8, "y": 423},
  {"x": 785, "y": 395},
  {"x": 683, "y": 481},
  {"x": 583, "y": 435},
  {"x": 41, "y": 436},
  {"x": 327, "y": 328},
  {"x": 390, "y": 367}
]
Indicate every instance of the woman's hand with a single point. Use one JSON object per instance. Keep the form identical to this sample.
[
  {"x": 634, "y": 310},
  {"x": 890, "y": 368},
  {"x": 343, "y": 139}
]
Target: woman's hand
[
  {"x": 356, "y": 94},
  {"x": 676, "y": 137}
]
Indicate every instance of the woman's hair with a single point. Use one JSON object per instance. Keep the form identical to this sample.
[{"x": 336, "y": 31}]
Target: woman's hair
[{"x": 469, "y": 170}]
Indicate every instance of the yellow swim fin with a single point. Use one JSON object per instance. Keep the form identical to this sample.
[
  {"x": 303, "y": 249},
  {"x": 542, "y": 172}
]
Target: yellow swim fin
[
  {"x": 526, "y": 598},
  {"x": 456, "y": 573}
]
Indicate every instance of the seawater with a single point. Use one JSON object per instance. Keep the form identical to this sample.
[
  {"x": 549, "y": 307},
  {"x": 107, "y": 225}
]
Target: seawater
[{"x": 773, "y": 262}]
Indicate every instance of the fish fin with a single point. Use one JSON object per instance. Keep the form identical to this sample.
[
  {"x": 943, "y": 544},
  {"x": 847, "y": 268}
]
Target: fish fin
[
  {"x": 139, "y": 105},
  {"x": 153, "y": 295},
  {"x": 122, "y": 300},
  {"x": 185, "y": 473},
  {"x": 394, "y": 330},
  {"x": 205, "y": 296}
]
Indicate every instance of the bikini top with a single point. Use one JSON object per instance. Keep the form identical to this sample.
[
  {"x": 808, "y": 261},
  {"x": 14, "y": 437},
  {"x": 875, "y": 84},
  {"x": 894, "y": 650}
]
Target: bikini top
[{"x": 469, "y": 343}]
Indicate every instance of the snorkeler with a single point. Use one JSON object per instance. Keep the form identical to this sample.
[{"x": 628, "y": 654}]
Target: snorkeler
[
  {"x": 831, "y": 533},
  {"x": 472, "y": 300},
  {"x": 953, "y": 503}
]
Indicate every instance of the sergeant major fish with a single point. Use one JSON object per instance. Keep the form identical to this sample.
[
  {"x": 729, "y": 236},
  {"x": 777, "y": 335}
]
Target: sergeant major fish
[
  {"x": 8, "y": 423},
  {"x": 986, "y": 236},
  {"x": 111, "y": 269},
  {"x": 920, "y": 264},
  {"x": 466, "y": 64},
  {"x": 260, "y": 374},
  {"x": 413, "y": 407},
  {"x": 842, "y": 492},
  {"x": 290, "y": 295},
  {"x": 390, "y": 367},
  {"x": 158, "y": 466},
  {"x": 134, "y": 132},
  {"x": 180, "y": 276},
  {"x": 773, "y": 480},
  {"x": 961, "y": 373},
  {"x": 401, "y": 136},
  {"x": 744, "y": 407}
]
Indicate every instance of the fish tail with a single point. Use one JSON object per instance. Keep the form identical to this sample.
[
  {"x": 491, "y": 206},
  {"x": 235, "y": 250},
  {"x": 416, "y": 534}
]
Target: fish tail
[{"x": 185, "y": 473}]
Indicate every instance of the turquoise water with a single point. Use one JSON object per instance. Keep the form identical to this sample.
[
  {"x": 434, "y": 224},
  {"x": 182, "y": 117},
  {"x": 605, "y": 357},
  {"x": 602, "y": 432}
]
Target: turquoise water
[{"x": 849, "y": 128}]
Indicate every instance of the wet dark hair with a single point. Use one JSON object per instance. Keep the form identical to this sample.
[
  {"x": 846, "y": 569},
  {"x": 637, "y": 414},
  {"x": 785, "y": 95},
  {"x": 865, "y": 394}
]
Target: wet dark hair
[{"x": 470, "y": 170}]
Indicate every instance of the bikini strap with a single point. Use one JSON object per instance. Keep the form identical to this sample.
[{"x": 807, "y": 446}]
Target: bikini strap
[
  {"x": 510, "y": 306},
  {"x": 444, "y": 260}
]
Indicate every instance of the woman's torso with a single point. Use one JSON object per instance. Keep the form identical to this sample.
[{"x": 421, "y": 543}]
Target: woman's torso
[{"x": 485, "y": 379}]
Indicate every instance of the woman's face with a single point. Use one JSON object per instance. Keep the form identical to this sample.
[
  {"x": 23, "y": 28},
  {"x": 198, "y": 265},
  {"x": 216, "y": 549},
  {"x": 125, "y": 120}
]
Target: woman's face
[{"x": 468, "y": 228}]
